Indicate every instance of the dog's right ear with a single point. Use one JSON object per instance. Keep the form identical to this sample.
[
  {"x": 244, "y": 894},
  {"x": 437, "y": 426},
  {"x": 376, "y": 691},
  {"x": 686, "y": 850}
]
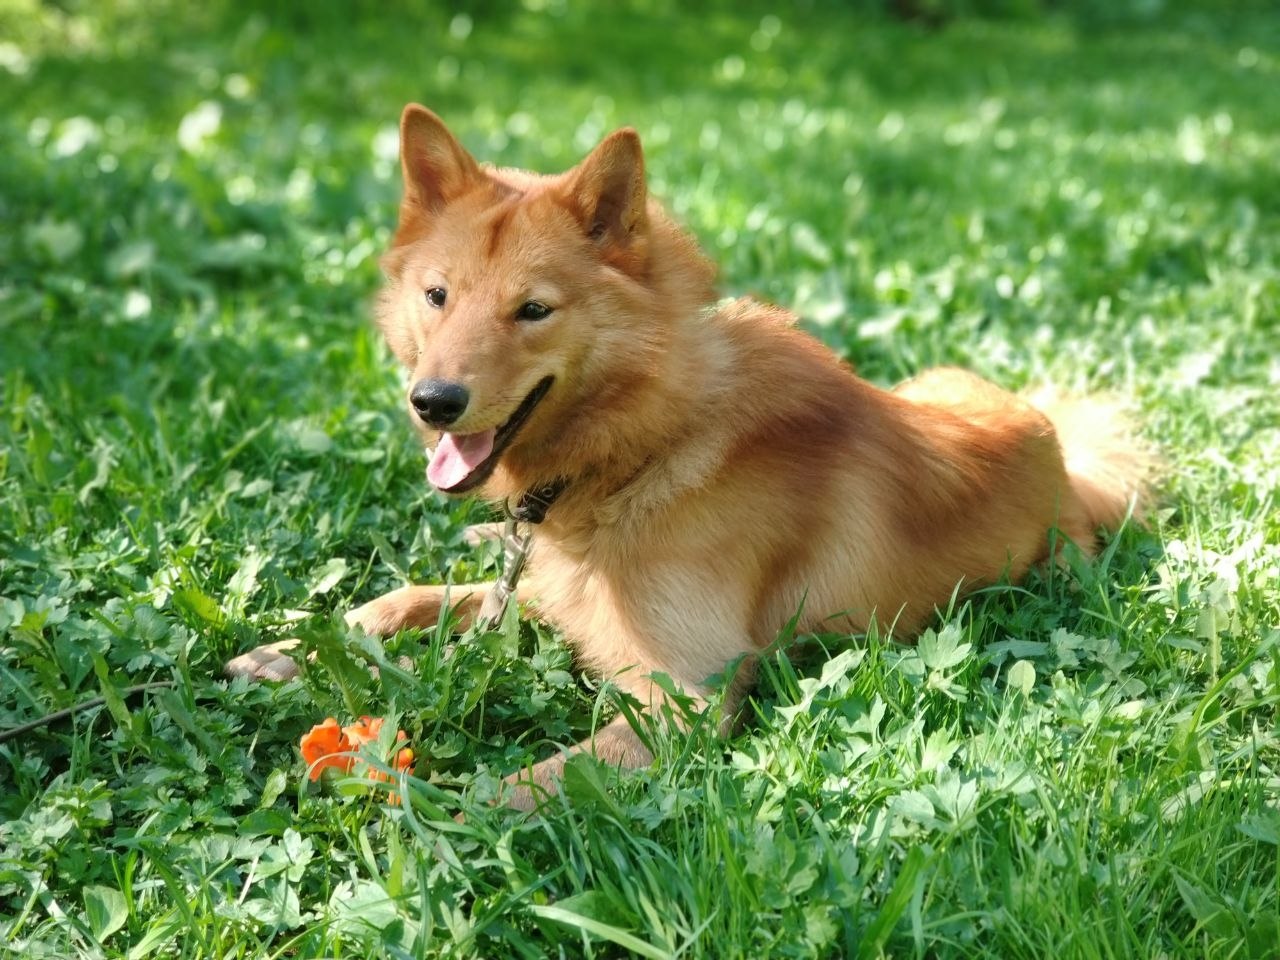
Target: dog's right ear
[{"x": 437, "y": 168}]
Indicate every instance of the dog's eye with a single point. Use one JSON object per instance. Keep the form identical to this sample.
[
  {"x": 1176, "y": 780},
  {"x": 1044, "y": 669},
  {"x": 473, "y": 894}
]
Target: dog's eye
[
  {"x": 436, "y": 297},
  {"x": 533, "y": 310}
]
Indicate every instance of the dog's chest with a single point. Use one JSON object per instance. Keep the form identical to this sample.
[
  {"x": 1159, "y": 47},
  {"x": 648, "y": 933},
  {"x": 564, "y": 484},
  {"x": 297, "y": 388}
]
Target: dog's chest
[{"x": 586, "y": 587}]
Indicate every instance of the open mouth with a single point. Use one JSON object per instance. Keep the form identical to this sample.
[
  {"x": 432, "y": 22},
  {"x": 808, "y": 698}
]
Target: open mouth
[{"x": 462, "y": 461}]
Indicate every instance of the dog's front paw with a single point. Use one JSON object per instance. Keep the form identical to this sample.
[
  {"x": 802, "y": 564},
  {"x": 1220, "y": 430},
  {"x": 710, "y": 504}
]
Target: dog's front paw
[{"x": 270, "y": 661}]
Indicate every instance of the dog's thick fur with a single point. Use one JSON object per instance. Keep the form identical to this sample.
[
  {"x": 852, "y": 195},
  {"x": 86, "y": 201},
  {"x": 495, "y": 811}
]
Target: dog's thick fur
[{"x": 723, "y": 469}]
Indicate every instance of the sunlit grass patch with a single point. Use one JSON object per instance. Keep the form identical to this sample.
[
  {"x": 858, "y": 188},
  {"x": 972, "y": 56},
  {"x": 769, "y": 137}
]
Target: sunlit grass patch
[{"x": 202, "y": 449}]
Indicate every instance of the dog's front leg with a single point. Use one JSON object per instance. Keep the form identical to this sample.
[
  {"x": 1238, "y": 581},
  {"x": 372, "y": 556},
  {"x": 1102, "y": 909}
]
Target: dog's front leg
[{"x": 418, "y": 606}]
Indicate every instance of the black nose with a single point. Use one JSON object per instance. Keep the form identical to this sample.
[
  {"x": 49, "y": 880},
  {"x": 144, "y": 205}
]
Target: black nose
[{"x": 439, "y": 402}]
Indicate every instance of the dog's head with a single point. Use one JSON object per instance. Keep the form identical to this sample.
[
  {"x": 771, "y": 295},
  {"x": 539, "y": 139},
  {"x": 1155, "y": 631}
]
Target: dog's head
[{"x": 529, "y": 310}]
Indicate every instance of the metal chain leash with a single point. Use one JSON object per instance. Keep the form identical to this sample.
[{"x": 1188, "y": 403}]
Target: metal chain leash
[
  {"x": 517, "y": 537},
  {"x": 515, "y": 552}
]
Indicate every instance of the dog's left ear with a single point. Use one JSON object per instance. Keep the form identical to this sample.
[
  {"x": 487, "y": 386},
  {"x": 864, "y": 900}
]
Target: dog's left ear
[{"x": 608, "y": 190}]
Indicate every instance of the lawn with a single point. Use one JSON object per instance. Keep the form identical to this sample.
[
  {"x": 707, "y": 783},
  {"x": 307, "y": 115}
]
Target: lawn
[{"x": 202, "y": 448}]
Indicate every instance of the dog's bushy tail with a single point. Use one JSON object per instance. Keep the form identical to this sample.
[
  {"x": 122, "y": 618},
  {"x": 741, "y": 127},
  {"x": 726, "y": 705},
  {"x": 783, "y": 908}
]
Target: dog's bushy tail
[{"x": 1112, "y": 469}]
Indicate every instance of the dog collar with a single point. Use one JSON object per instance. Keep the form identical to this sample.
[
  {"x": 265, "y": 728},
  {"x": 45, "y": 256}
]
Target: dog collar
[{"x": 533, "y": 504}]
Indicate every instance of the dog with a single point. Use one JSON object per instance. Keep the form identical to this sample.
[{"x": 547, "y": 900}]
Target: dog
[{"x": 714, "y": 468}]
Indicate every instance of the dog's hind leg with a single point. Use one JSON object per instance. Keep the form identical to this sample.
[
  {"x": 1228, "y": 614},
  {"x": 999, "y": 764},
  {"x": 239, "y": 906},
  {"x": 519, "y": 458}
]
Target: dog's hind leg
[
  {"x": 617, "y": 743},
  {"x": 691, "y": 669}
]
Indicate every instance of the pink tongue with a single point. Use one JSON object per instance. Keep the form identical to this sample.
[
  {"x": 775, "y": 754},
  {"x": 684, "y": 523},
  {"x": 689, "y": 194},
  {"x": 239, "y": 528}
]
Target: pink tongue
[{"x": 456, "y": 455}]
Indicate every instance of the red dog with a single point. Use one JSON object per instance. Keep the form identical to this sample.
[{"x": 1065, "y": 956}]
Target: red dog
[{"x": 717, "y": 468}]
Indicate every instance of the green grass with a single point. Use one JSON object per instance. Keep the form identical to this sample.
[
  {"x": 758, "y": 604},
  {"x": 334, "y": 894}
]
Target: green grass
[{"x": 201, "y": 449}]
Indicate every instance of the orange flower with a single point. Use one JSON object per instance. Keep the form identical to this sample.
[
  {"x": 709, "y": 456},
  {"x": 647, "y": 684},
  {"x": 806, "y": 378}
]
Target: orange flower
[
  {"x": 402, "y": 763},
  {"x": 367, "y": 730},
  {"x": 328, "y": 745}
]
